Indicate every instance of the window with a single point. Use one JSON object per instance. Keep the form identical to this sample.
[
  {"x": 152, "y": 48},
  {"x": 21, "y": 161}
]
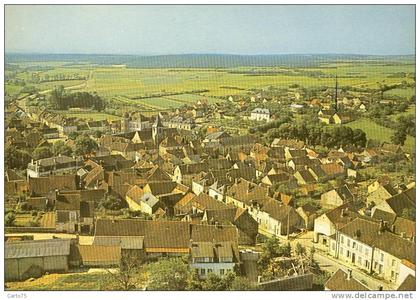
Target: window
[
  {"x": 222, "y": 271},
  {"x": 393, "y": 262},
  {"x": 203, "y": 271},
  {"x": 348, "y": 242},
  {"x": 342, "y": 239},
  {"x": 367, "y": 264},
  {"x": 367, "y": 251},
  {"x": 341, "y": 250},
  {"x": 359, "y": 260},
  {"x": 392, "y": 274},
  {"x": 382, "y": 257},
  {"x": 354, "y": 245},
  {"x": 380, "y": 268},
  {"x": 348, "y": 253},
  {"x": 209, "y": 271}
]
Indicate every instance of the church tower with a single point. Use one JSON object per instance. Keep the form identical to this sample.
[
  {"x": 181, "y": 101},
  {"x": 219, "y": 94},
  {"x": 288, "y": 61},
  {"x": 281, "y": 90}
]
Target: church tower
[
  {"x": 157, "y": 129},
  {"x": 125, "y": 126}
]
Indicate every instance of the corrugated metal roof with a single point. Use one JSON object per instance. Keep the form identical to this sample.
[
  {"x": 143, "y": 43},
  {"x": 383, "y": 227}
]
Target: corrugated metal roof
[{"x": 38, "y": 248}]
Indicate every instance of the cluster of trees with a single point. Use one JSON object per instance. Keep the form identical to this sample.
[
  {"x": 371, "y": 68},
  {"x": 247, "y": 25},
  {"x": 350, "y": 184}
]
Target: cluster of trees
[
  {"x": 39, "y": 78},
  {"x": 405, "y": 125},
  {"x": 85, "y": 145},
  {"x": 61, "y": 100},
  {"x": 271, "y": 125},
  {"x": 318, "y": 134},
  {"x": 16, "y": 158},
  {"x": 278, "y": 260},
  {"x": 9, "y": 218},
  {"x": 171, "y": 274},
  {"x": 409, "y": 213},
  {"x": 111, "y": 202}
]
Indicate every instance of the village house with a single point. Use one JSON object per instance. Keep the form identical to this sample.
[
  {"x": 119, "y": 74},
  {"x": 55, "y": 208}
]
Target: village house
[
  {"x": 304, "y": 177},
  {"x": 341, "y": 118},
  {"x": 171, "y": 238},
  {"x": 308, "y": 213},
  {"x": 57, "y": 165},
  {"x": 336, "y": 197},
  {"x": 273, "y": 217},
  {"x": 180, "y": 123},
  {"x": 212, "y": 258},
  {"x": 326, "y": 116},
  {"x": 370, "y": 246},
  {"x": 135, "y": 122},
  {"x": 212, "y": 140},
  {"x": 326, "y": 225},
  {"x": 98, "y": 125},
  {"x": 260, "y": 114},
  {"x": 344, "y": 281},
  {"x": 74, "y": 212},
  {"x": 247, "y": 226},
  {"x": 381, "y": 193},
  {"x": 398, "y": 203}
]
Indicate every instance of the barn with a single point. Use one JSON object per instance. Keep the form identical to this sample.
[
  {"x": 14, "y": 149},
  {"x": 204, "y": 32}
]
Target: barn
[{"x": 25, "y": 259}]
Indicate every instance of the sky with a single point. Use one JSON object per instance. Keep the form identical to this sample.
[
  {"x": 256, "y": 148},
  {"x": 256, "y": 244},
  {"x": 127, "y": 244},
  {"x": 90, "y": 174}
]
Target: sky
[{"x": 223, "y": 29}]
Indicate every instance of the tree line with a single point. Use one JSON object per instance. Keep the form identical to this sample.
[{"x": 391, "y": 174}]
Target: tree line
[{"x": 61, "y": 100}]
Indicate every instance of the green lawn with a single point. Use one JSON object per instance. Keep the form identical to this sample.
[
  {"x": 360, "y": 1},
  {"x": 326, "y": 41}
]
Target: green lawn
[{"x": 378, "y": 132}]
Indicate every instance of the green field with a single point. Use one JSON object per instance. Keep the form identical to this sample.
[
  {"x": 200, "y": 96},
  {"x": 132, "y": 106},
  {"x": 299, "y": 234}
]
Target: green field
[
  {"x": 381, "y": 133},
  {"x": 159, "y": 103},
  {"x": 127, "y": 85},
  {"x": 407, "y": 93}
]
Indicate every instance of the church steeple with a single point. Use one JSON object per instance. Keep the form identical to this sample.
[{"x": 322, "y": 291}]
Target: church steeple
[{"x": 157, "y": 129}]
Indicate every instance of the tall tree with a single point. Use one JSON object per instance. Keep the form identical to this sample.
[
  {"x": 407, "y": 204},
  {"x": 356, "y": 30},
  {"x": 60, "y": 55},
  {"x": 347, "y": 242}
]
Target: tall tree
[
  {"x": 169, "y": 274},
  {"x": 85, "y": 145}
]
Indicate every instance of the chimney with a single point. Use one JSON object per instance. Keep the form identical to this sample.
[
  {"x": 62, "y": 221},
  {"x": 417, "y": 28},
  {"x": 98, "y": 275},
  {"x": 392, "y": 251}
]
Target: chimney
[{"x": 349, "y": 276}]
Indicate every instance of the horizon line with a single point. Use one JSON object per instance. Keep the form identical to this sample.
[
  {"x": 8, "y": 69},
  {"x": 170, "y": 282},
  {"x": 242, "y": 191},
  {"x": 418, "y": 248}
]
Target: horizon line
[{"x": 198, "y": 53}]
